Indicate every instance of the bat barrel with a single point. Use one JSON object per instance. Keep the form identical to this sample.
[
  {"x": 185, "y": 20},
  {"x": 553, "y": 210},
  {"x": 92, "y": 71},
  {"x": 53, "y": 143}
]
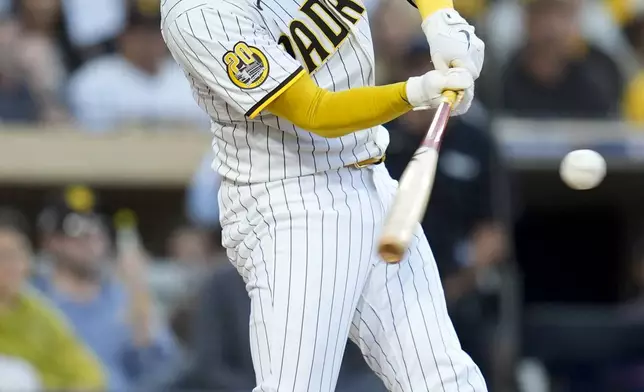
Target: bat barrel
[
  {"x": 408, "y": 206},
  {"x": 414, "y": 188}
]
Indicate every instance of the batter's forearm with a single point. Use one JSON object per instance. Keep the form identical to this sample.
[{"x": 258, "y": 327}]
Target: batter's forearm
[
  {"x": 334, "y": 114},
  {"x": 428, "y": 7}
]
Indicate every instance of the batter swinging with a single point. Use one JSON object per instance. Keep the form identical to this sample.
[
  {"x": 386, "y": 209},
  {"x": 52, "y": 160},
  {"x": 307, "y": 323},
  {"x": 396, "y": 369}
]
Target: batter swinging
[{"x": 289, "y": 85}]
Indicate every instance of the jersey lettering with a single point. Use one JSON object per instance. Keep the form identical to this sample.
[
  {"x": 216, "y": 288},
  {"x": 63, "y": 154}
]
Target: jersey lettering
[
  {"x": 313, "y": 49},
  {"x": 342, "y": 6},
  {"x": 287, "y": 45},
  {"x": 300, "y": 33},
  {"x": 330, "y": 25}
]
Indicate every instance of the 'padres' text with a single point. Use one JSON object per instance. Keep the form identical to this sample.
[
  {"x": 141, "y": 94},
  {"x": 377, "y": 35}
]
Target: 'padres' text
[{"x": 333, "y": 22}]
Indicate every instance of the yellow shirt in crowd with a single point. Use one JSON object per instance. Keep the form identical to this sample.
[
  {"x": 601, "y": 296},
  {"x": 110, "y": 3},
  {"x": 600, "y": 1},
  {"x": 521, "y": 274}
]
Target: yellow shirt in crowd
[
  {"x": 634, "y": 100},
  {"x": 37, "y": 334},
  {"x": 621, "y": 10}
]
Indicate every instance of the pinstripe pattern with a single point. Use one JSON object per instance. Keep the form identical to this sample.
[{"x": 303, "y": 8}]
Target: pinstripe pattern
[
  {"x": 300, "y": 226},
  {"x": 310, "y": 235},
  {"x": 305, "y": 248},
  {"x": 199, "y": 32}
]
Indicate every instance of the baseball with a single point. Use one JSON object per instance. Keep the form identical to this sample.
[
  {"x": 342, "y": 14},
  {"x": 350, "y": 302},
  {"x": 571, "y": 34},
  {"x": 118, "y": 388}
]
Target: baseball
[{"x": 582, "y": 169}]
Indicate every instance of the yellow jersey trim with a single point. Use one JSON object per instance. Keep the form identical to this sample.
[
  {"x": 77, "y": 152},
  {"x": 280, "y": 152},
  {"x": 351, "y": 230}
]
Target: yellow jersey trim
[{"x": 273, "y": 95}]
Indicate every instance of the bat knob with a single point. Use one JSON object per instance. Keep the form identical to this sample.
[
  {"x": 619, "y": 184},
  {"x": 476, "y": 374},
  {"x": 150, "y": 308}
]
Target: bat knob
[{"x": 391, "y": 252}]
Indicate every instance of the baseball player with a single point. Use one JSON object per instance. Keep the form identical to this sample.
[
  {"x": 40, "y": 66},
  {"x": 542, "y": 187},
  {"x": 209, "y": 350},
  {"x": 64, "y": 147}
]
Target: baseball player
[{"x": 289, "y": 85}]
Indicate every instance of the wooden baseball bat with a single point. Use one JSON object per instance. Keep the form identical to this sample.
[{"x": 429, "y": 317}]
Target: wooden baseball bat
[{"x": 415, "y": 187}]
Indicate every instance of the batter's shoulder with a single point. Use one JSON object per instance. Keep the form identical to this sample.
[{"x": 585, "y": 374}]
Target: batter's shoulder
[
  {"x": 174, "y": 8},
  {"x": 176, "y": 11},
  {"x": 243, "y": 8}
]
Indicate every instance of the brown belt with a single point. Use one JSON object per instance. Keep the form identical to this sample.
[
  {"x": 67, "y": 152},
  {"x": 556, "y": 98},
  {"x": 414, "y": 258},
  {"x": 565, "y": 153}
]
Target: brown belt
[{"x": 367, "y": 162}]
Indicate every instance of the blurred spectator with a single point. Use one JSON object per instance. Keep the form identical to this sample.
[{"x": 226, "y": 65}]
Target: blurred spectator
[
  {"x": 191, "y": 256},
  {"x": 30, "y": 330},
  {"x": 504, "y": 28},
  {"x": 221, "y": 345},
  {"x": 634, "y": 98},
  {"x": 396, "y": 24},
  {"x": 41, "y": 54},
  {"x": 202, "y": 200},
  {"x": 32, "y": 66},
  {"x": 506, "y": 31},
  {"x": 17, "y": 103},
  {"x": 140, "y": 85},
  {"x": 194, "y": 252},
  {"x": 467, "y": 220},
  {"x": 114, "y": 317},
  {"x": 92, "y": 26},
  {"x": 469, "y": 9},
  {"x": 557, "y": 74},
  {"x": 190, "y": 246},
  {"x": 634, "y": 31}
]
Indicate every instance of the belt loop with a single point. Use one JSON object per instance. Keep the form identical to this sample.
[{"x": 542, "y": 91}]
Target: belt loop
[
  {"x": 369, "y": 162},
  {"x": 362, "y": 164}
]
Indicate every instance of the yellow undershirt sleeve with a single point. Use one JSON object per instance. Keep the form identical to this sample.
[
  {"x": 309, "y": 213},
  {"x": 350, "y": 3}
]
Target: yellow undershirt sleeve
[
  {"x": 428, "y": 7},
  {"x": 334, "y": 114}
]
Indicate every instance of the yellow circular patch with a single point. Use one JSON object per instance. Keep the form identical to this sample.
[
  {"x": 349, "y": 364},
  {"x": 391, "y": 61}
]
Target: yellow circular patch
[{"x": 247, "y": 66}]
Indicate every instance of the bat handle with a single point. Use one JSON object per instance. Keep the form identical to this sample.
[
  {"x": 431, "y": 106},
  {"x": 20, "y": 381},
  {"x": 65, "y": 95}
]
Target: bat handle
[{"x": 450, "y": 97}]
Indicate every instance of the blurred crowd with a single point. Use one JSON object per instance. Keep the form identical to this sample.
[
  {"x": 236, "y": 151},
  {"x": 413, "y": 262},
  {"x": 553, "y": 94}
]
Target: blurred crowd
[
  {"x": 544, "y": 58},
  {"x": 101, "y": 64},
  {"x": 84, "y": 307}
]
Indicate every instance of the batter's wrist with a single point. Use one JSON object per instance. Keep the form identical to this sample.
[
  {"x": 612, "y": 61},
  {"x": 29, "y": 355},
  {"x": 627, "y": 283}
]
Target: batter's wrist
[
  {"x": 429, "y": 7},
  {"x": 403, "y": 94},
  {"x": 413, "y": 93}
]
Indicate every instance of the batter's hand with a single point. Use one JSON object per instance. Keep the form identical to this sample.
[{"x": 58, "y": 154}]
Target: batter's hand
[
  {"x": 424, "y": 92},
  {"x": 453, "y": 43}
]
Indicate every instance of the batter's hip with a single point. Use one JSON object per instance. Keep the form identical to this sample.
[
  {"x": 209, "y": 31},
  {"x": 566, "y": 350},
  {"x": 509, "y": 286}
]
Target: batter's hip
[{"x": 250, "y": 211}]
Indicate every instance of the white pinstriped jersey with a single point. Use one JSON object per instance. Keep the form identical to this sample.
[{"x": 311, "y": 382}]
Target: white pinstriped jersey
[{"x": 239, "y": 54}]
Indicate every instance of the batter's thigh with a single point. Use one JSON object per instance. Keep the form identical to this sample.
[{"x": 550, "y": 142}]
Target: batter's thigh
[
  {"x": 404, "y": 328},
  {"x": 402, "y": 324},
  {"x": 303, "y": 247}
]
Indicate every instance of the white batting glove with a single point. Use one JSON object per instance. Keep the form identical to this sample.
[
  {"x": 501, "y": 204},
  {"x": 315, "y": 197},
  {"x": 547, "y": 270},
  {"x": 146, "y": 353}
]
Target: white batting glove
[
  {"x": 453, "y": 43},
  {"x": 424, "y": 92}
]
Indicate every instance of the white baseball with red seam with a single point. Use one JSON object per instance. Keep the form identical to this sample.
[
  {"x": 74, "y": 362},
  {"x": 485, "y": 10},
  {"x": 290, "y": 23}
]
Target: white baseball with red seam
[{"x": 583, "y": 169}]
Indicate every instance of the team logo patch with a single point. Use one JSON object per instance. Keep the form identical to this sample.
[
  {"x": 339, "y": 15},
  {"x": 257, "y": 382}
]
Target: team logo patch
[{"x": 247, "y": 66}]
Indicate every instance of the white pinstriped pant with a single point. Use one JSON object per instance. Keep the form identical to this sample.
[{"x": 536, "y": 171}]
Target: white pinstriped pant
[{"x": 306, "y": 249}]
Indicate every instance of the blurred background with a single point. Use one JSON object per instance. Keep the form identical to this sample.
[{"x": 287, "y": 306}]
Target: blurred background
[{"x": 112, "y": 275}]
